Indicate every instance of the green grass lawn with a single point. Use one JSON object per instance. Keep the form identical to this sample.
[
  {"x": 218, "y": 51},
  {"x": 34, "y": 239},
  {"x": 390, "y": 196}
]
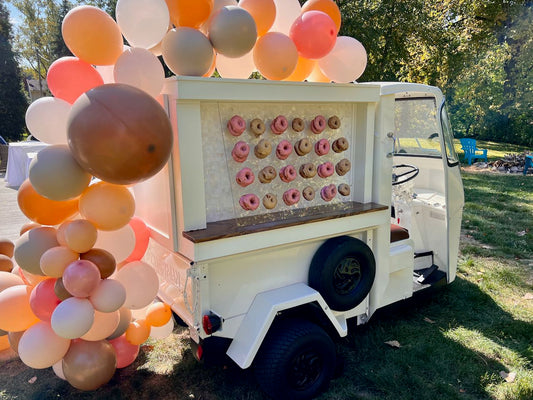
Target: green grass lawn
[{"x": 453, "y": 345}]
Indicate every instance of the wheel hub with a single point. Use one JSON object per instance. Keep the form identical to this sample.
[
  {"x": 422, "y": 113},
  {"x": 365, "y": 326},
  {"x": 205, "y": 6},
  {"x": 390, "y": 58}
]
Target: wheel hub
[
  {"x": 305, "y": 369},
  {"x": 347, "y": 275}
]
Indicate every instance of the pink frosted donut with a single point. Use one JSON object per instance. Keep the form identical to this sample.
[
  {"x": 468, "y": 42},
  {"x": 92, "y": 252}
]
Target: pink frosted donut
[
  {"x": 249, "y": 202},
  {"x": 245, "y": 177},
  {"x": 287, "y": 173},
  {"x": 329, "y": 192},
  {"x": 284, "y": 149},
  {"x": 236, "y": 125},
  {"x": 322, "y": 147},
  {"x": 279, "y": 125},
  {"x": 318, "y": 124},
  {"x": 291, "y": 196},
  {"x": 240, "y": 151},
  {"x": 325, "y": 170}
]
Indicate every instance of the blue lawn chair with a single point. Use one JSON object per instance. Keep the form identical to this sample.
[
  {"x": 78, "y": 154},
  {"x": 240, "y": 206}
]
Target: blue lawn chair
[
  {"x": 471, "y": 150},
  {"x": 528, "y": 164}
]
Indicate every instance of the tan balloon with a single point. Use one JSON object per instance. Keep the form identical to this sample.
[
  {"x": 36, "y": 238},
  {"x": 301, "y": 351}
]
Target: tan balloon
[
  {"x": 54, "y": 261},
  {"x": 80, "y": 235},
  {"x": 186, "y": 51},
  {"x": 232, "y": 31},
  {"x": 104, "y": 325},
  {"x": 31, "y": 246},
  {"x": 7, "y": 247}
]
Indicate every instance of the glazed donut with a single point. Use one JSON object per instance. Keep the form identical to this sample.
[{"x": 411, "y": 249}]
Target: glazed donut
[
  {"x": 344, "y": 189},
  {"x": 284, "y": 149},
  {"x": 245, "y": 177},
  {"x": 329, "y": 192},
  {"x": 334, "y": 122},
  {"x": 325, "y": 170},
  {"x": 263, "y": 148},
  {"x": 343, "y": 166},
  {"x": 340, "y": 145},
  {"x": 236, "y": 125},
  {"x": 267, "y": 174},
  {"x": 309, "y": 193},
  {"x": 249, "y": 202},
  {"x": 257, "y": 126},
  {"x": 291, "y": 196},
  {"x": 270, "y": 201},
  {"x": 322, "y": 147},
  {"x": 318, "y": 124},
  {"x": 307, "y": 170},
  {"x": 298, "y": 124},
  {"x": 287, "y": 173},
  {"x": 240, "y": 151},
  {"x": 303, "y": 147},
  {"x": 279, "y": 125}
]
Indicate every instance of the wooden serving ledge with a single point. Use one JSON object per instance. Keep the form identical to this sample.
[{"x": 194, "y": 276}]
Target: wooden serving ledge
[{"x": 282, "y": 219}]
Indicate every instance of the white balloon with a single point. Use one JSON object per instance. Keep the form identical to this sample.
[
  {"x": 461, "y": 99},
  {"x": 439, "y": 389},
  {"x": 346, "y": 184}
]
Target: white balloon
[
  {"x": 286, "y": 12},
  {"x": 106, "y": 72},
  {"x": 140, "y": 68},
  {"x": 236, "y": 68},
  {"x": 119, "y": 243},
  {"x": 143, "y": 23},
  {"x": 40, "y": 347},
  {"x": 46, "y": 119},
  {"x": 346, "y": 62},
  {"x": 162, "y": 332},
  {"x": 73, "y": 318}
]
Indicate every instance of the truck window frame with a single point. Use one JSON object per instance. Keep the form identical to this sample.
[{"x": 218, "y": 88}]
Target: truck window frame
[{"x": 451, "y": 156}]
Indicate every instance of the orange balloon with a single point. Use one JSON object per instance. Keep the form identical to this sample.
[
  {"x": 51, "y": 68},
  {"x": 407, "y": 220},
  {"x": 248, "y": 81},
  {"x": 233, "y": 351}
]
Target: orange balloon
[
  {"x": 92, "y": 35},
  {"x": 137, "y": 332},
  {"x": 263, "y": 13},
  {"x": 4, "y": 343},
  {"x": 326, "y": 6},
  {"x": 275, "y": 56},
  {"x": 303, "y": 69},
  {"x": 15, "y": 311},
  {"x": 42, "y": 210},
  {"x": 317, "y": 75},
  {"x": 158, "y": 314},
  {"x": 191, "y": 13}
]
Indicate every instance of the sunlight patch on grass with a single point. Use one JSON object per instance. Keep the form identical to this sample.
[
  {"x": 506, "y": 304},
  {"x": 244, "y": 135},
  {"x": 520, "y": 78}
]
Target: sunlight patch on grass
[{"x": 162, "y": 355}]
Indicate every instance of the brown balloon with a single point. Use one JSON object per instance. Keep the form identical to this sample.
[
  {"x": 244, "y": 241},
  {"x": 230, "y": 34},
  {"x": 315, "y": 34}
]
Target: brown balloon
[
  {"x": 89, "y": 365},
  {"x": 6, "y": 263},
  {"x": 60, "y": 291},
  {"x": 119, "y": 134},
  {"x": 14, "y": 339},
  {"x": 7, "y": 247},
  {"x": 103, "y": 259}
]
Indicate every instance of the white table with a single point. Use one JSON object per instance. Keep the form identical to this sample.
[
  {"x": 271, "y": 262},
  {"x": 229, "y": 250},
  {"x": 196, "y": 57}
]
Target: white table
[{"x": 19, "y": 159}]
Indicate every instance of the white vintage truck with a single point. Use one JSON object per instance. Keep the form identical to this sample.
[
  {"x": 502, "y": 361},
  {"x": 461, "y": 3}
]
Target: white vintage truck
[{"x": 271, "y": 269}]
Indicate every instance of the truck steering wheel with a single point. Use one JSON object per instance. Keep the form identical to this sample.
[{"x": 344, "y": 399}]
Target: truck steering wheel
[{"x": 410, "y": 173}]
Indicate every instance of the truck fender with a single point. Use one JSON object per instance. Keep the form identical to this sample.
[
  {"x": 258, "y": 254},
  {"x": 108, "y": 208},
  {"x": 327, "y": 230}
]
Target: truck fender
[{"x": 262, "y": 312}]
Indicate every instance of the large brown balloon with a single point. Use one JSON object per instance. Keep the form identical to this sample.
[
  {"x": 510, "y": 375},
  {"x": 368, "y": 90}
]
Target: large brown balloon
[
  {"x": 103, "y": 259},
  {"x": 89, "y": 365},
  {"x": 119, "y": 134}
]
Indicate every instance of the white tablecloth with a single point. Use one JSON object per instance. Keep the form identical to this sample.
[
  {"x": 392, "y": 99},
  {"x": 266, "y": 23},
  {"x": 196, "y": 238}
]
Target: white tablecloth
[{"x": 18, "y": 161}]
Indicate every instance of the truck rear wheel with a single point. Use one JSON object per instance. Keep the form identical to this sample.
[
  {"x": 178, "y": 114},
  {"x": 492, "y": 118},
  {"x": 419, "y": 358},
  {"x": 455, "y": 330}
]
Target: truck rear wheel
[
  {"x": 296, "y": 361},
  {"x": 343, "y": 271}
]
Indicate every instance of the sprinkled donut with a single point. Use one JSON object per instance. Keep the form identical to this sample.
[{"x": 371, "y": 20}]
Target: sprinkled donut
[
  {"x": 240, "y": 151},
  {"x": 307, "y": 170},
  {"x": 267, "y": 174},
  {"x": 287, "y": 173},
  {"x": 329, "y": 192},
  {"x": 284, "y": 149},
  {"x": 245, "y": 177},
  {"x": 236, "y": 125},
  {"x": 257, "y": 126},
  {"x": 340, "y": 145},
  {"x": 318, "y": 124},
  {"x": 270, "y": 201},
  {"x": 343, "y": 166},
  {"x": 291, "y": 196},
  {"x": 322, "y": 147},
  {"x": 303, "y": 146},
  {"x": 308, "y": 193},
  {"x": 279, "y": 125},
  {"x": 344, "y": 189},
  {"x": 263, "y": 148},
  {"x": 325, "y": 170},
  {"x": 298, "y": 124},
  {"x": 249, "y": 202},
  {"x": 334, "y": 122}
]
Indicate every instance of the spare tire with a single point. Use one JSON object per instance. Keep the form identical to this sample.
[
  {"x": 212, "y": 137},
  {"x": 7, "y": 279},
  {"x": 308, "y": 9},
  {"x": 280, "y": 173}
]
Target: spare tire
[{"x": 343, "y": 271}]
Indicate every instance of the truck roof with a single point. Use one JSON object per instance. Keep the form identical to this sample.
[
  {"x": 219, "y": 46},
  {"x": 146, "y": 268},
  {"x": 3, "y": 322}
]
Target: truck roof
[{"x": 407, "y": 89}]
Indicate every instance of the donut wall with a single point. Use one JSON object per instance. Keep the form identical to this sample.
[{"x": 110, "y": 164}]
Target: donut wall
[{"x": 264, "y": 158}]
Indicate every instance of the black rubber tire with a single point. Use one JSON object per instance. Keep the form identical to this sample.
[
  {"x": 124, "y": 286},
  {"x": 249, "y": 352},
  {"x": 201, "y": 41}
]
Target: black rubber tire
[
  {"x": 296, "y": 361},
  {"x": 343, "y": 271}
]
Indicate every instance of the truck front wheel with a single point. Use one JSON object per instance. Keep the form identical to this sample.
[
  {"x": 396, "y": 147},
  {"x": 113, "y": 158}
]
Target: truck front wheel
[{"x": 296, "y": 361}]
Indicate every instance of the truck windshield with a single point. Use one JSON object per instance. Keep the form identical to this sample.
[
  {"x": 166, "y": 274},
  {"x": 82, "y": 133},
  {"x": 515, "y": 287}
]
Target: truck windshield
[{"x": 416, "y": 127}]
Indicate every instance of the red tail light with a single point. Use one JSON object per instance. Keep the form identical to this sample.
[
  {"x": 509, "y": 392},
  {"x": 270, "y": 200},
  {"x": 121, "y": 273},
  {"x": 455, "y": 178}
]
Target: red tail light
[{"x": 211, "y": 323}]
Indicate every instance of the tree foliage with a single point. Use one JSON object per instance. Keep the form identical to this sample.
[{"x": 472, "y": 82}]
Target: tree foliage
[{"x": 12, "y": 101}]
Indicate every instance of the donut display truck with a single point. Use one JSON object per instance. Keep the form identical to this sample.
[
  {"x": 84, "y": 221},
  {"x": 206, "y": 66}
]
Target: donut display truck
[{"x": 276, "y": 220}]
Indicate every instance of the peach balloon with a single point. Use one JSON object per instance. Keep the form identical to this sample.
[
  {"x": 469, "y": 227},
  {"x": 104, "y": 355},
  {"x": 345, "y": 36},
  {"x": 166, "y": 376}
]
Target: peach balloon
[
  {"x": 286, "y": 12},
  {"x": 42, "y": 210},
  {"x": 15, "y": 311},
  {"x": 27, "y": 226},
  {"x": 141, "y": 283},
  {"x": 108, "y": 296},
  {"x": 212, "y": 67},
  {"x": 236, "y": 68},
  {"x": 31, "y": 246},
  {"x": 54, "y": 260},
  {"x": 317, "y": 75},
  {"x": 80, "y": 235},
  {"x": 137, "y": 332},
  {"x": 326, "y": 6},
  {"x": 107, "y": 206},
  {"x": 104, "y": 325},
  {"x": 69, "y": 77},
  {"x": 190, "y": 13},
  {"x": 346, "y": 62},
  {"x": 46, "y": 119},
  {"x": 187, "y": 51},
  {"x": 263, "y": 13},
  {"x": 8, "y": 279},
  {"x": 303, "y": 69},
  {"x": 92, "y": 35},
  {"x": 119, "y": 243},
  {"x": 275, "y": 56},
  {"x": 40, "y": 347}
]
